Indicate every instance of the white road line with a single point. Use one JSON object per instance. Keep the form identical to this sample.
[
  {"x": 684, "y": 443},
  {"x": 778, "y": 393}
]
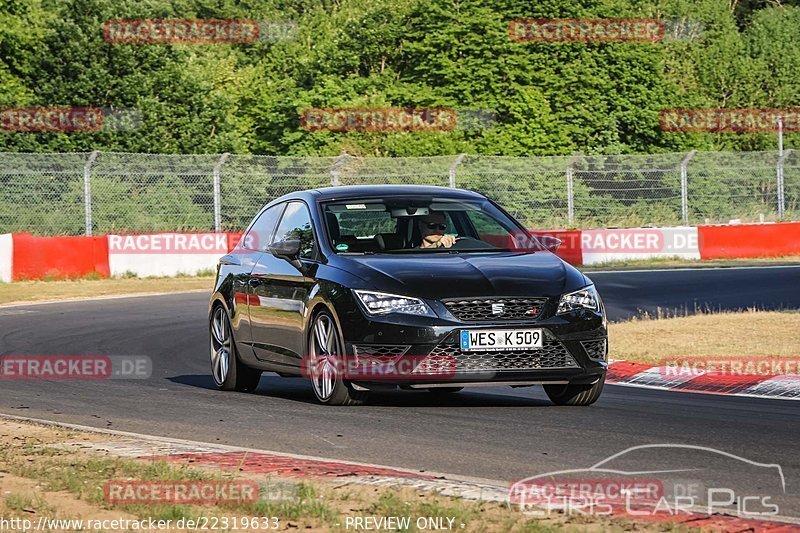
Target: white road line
[
  {"x": 102, "y": 297},
  {"x": 229, "y": 448},
  {"x": 12, "y": 312},
  {"x": 328, "y": 441}
]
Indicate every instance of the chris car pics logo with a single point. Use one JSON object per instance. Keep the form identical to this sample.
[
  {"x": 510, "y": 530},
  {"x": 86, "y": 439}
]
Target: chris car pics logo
[{"x": 657, "y": 480}]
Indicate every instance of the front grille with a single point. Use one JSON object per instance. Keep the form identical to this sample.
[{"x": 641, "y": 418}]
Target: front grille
[
  {"x": 553, "y": 355},
  {"x": 595, "y": 349},
  {"x": 496, "y": 309},
  {"x": 380, "y": 350}
]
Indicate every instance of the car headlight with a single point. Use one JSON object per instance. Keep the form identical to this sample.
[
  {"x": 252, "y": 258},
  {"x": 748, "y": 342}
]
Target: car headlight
[
  {"x": 586, "y": 298},
  {"x": 381, "y": 303}
]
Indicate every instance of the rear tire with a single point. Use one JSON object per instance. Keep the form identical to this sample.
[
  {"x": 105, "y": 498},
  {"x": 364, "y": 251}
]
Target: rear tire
[
  {"x": 227, "y": 371},
  {"x": 575, "y": 394},
  {"x": 325, "y": 363}
]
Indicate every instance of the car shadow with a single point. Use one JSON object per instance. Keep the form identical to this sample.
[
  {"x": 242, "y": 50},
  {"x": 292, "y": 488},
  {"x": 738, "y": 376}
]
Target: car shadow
[
  {"x": 299, "y": 389},
  {"x": 203, "y": 381}
]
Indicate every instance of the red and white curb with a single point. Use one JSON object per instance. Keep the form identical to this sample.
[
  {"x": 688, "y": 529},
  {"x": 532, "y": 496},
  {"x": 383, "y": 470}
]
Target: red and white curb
[
  {"x": 255, "y": 461},
  {"x": 651, "y": 376}
]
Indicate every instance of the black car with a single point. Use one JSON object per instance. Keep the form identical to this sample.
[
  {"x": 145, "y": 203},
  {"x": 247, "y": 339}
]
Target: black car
[{"x": 375, "y": 287}]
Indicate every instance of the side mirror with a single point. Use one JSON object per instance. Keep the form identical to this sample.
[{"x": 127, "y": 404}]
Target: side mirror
[
  {"x": 550, "y": 243},
  {"x": 288, "y": 249}
]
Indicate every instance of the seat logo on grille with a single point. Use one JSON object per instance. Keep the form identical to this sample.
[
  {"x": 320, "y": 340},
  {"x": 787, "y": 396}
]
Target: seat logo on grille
[{"x": 498, "y": 309}]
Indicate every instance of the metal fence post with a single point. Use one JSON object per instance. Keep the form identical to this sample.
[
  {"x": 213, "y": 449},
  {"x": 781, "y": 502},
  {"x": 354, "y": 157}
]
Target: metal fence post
[
  {"x": 782, "y": 155},
  {"x": 452, "y": 172},
  {"x": 218, "y": 194},
  {"x": 685, "y": 187},
  {"x": 781, "y": 204},
  {"x": 570, "y": 190},
  {"x": 335, "y": 181},
  {"x": 87, "y": 191}
]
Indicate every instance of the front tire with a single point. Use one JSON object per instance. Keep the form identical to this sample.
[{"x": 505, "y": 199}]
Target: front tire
[
  {"x": 325, "y": 365},
  {"x": 227, "y": 371},
  {"x": 575, "y": 394}
]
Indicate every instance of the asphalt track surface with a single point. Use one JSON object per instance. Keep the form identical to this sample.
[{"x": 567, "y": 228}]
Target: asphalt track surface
[{"x": 494, "y": 433}]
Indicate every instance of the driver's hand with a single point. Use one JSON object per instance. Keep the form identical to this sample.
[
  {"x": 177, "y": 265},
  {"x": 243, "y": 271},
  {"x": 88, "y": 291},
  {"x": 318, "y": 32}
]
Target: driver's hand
[{"x": 447, "y": 241}]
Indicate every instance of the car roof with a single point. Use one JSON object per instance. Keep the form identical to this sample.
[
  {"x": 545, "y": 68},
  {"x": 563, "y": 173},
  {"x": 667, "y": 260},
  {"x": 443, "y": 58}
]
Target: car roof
[{"x": 365, "y": 191}]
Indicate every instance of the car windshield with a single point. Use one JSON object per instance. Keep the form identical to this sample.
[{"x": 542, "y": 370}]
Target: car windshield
[{"x": 413, "y": 225}]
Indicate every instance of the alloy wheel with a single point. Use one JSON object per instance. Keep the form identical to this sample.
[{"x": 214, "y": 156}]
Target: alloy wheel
[
  {"x": 324, "y": 357},
  {"x": 220, "y": 346}
]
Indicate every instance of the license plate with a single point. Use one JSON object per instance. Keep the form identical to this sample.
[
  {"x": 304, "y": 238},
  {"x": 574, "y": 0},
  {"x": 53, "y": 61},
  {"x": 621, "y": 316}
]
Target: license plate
[{"x": 477, "y": 340}]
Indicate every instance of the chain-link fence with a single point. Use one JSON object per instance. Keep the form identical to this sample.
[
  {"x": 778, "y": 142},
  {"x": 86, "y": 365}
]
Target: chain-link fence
[{"x": 103, "y": 192}]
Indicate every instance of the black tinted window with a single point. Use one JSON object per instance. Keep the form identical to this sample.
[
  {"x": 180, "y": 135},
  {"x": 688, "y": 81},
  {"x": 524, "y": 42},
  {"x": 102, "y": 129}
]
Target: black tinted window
[
  {"x": 296, "y": 224},
  {"x": 397, "y": 224},
  {"x": 258, "y": 237},
  {"x": 366, "y": 225}
]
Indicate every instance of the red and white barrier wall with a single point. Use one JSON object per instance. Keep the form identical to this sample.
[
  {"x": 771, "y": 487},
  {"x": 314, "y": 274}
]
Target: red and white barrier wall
[
  {"x": 58, "y": 257},
  {"x": 6, "y": 257},
  {"x": 591, "y": 247},
  {"x": 24, "y": 256},
  {"x": 749, "y": 240}
]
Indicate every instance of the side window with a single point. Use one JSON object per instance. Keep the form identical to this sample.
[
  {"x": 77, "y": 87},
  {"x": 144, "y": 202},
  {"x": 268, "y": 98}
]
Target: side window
[
  {"x": 296, "y": 224},
  {"x": 260, "y": 233},
  {"x": 365, "y": 225},
  {"x": 451, "y": 227}
]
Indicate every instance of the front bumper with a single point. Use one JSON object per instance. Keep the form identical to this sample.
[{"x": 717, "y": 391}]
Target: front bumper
[{"x": 574, "y": 351}]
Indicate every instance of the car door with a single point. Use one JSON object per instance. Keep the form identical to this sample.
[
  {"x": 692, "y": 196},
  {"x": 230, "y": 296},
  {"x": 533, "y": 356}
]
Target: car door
[
  {"x": 280, "y": 290},
  {"x": 249, "y": 250}
]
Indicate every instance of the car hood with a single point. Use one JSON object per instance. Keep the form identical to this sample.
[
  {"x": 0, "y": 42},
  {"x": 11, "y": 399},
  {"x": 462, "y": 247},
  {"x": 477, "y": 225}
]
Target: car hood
[{"x": 443, "y": 275}]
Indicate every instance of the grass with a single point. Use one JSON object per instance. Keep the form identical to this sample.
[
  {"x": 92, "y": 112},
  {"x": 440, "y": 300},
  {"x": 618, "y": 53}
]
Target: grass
[
  {"x": 26, "y": 503},
  {"x": 84, "y": 477},
  {"x": 741, "y": 334},
  {"x": 393, "y": 504},
  {"x": 32, "y": 291}
]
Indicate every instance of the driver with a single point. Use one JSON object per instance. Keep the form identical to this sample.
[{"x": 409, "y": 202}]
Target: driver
[{"x": 431, "y": 229}]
